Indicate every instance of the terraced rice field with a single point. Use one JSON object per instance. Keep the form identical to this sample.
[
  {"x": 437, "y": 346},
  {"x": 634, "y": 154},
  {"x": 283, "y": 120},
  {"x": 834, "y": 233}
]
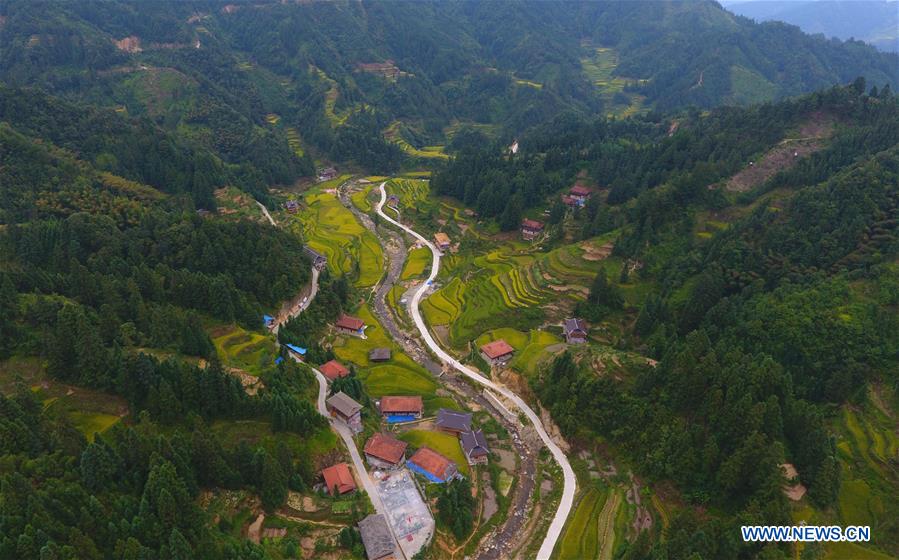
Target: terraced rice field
[
  {"x": 508, "y": 281},
  {"x": 444, "y": 305},
  {"x": 257, "y": 432},
  {"x": 599, "y": 67},
  {"x": 505, "y": 482},
  {"x": 393, "y": 134},
  {"x": 852, "y": 551},
  {"x": 331, "y": 229},
  {"x": 515, "y": 338},
  {"x": 662, "y": 510},
  {"x": 868, "y": 444},
  {"x": 335, "y": 117},
  {"x": 489, "y": 130},
  {"x": 528, "y": 83},
  {"x": 416, "y": 263},
  {"x": 443, "y": 443},
  {"x": 590, "y": 533},
  {"x": 248, "y": 351},
  {"x": 361, "y": 198},
  {"x": 331, "y": 99},
  {"x": 858, "y": 506},
  {"x": 411, "y": 192},
  {"x": 535, "y": 352},
  {"x": 867, "y": 447},
  {"x": 293, "y": 140}
]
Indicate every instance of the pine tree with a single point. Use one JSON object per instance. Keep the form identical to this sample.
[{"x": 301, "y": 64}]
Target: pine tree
[
  {"x": 9, "y": 312},
  {"x": 272, "y": 483},
  {"x": 99, "y": 465},
  {"x": 179, "y": 548}
]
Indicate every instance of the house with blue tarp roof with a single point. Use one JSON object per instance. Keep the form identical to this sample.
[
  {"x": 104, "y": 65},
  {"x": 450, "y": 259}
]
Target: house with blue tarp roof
[
  {"x": 433, "y": 466},
  {"x": 296, "y": 350},
  {"x": 279, "y": 359},
  {"x": 400, "y": 418},
  {"x": 418, "y": 470},
  {"x": 268, "y": 321}
]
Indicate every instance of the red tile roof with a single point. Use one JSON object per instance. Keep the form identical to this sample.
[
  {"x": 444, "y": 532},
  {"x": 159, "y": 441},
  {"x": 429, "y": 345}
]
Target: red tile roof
[
  {"x": 393, "y": 405},
  {"x": 385, "y": 447},
  {"x": 351, "y": 323},
  {"x": 339, "y": 476},
  {"x": 580, "y": 190},
  {"x": 497, "y": 348},
  {"x": 531, "y": 224},
  {"x": 334, "y": 369},
  {"x": 431, "y": 461}
]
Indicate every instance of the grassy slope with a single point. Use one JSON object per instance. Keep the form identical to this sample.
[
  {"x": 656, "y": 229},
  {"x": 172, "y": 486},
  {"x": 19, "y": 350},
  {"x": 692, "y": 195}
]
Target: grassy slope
[
  {"x": 398, "y": 376},
  {"x": 249, "y": 351}
]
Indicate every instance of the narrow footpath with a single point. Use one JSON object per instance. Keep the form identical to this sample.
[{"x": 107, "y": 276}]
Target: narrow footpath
[
  {"x": 303, "y": 299},
  {"x": 570, "y": 481}
]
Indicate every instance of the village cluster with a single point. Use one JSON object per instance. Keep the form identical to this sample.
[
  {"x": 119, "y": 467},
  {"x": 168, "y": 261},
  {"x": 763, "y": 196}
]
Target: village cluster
[
  {"x": 387, "y": 455},
  {"x": 576, "y": 198},
  {"x": 392, "y": 464}
]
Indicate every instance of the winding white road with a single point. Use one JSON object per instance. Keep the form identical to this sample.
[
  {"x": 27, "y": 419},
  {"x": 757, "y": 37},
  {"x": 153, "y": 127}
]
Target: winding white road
[
  {"x": 568, "y": 492},
  {"x": 347, "y": 436},
  {"x": 342, "y": 429},
  {"x": 266, "y": 214},
  {"x": 280, "y": 320}
]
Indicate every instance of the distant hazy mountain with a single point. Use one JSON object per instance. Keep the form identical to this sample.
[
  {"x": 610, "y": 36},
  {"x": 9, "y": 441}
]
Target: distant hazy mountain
[{"x": 874, "y": 21}]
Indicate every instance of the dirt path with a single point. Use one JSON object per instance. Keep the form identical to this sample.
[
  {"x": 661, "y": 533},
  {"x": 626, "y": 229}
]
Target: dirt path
[
  {"x": 606, "y": 526},
  {"x": 699, "y": 82},
  {"x": 266, "y": 214}
]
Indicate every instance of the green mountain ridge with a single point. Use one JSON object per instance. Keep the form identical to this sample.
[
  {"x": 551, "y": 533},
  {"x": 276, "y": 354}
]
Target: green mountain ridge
[{"x": 215, "y": 73}]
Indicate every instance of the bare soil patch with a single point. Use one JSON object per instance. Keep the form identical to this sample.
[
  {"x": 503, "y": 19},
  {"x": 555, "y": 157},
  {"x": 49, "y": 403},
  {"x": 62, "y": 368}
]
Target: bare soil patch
[
  {"x": 546, "y": 486},
  {"x": 594, "y": 253},
  {"x": 553, "y": 430},
  {"x": 569, "y": 288},
  {"x": 129, "y": 44},
  {"x": 489, "y": 505},
  {"x": 506, "y": 459},
  {"x": 786, "y": 154},
  {"x": 255, "y": 528}
]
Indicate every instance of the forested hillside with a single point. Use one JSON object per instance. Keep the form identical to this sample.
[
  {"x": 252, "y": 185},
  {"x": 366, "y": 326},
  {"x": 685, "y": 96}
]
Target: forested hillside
[
  {"x": 117, "y": 410},
  {"x": 263, "y": 85},
  {"x": 736, "y": 262},
  {"x": 770, "y": 304}
]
